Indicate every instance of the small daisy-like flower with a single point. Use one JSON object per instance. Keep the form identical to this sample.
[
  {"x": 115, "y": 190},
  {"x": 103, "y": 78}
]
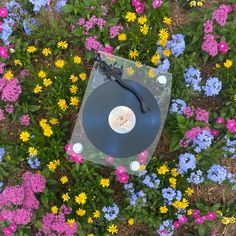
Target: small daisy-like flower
[
  {"x": 54, "y": 210},
  {"x": 144, "y": 29},
  {"x": 104, "y": 182},
  {"x": 71, "y": 221},
  {"x": 130, "y": 71},
  {"x": 73, "y": 78},
  {"x": 163, "y": 34},
  {"x": 235, "y": 97},
  {"x": 112, "y": 229},
  {"x": 130, "y": 16},
  {"x": 17, "y": 62},
  {"x": 162, "y": 169},
  {"x": 8, "y": 75},
  {"x": 77, "y": 59},
  {"x": 47, "y": 82},
  {"x": 31, "y": 49},
  {"x": 80, "y": 212},
  {"x": 163, "y": 209},
  {"x": 151, "y": 73},
  {"x": 54, "y": 121},
  {"x": 189, "y": 191},
  {"x": 142, "y": 20},
  {"x": 37, "y": 89},
  {"x": 167, "y": 20},
  {"x": 131, "y": 221},
  {"x": 46, "y": 52},
  {"x": 217, "y": 66},
  {"x": 65, "y": 197},
  {"x": 73, "y": 89},
  {"x": 42, "y": 74},
  {"x": 166, "y": 52},
  {"x": 228, "y": 63},
  {"x": 81, "y": 198},
  {"x": 90, "y": 220},
  {"x": 96, "y": 214},
  {"x": 62, "y": 104},
  {"x": 122, "y": 37},
  {"x": 59, "y": 63},
  {"x": 24, "y": 136},
  {"x": 83, "y": 76},
  {"x": 74, "y": 101},
  {"x": 133, "y": 54},
  {"x": 62, "y": 44},
  {"x": 32, "y": 151},
  {"x": 64, "y": 179}
]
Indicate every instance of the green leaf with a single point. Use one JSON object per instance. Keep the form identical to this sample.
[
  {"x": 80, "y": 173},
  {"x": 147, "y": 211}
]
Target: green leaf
[
  {"x": 201, "y": 230},
  {"x": 44, "y": 200},
  {"x": 216, "y": 207}
]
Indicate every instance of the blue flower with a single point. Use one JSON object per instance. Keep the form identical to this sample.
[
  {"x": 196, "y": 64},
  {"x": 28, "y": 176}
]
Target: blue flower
[
  {"x": 169, "y": 194},
  {"x": 187, "y": 161},
  {"x": 138, "y": 196},
  {"x": 202, "y": 141},
  {"x": 151, "y": 181},
  {"x": 1, "y": 185},
  {"x": 196, "y": 177},
  {"x": 193, "y": 78},
  {"x": 129, "y": 187},
  {"x": 111, "y": 212},
  {"x": 213, "y": 86},
  {"x": 28, "y": 23},
  {"x": 38, "y": 4},
  {"x": 163, "y": 67},
  {"x": 217, "y": 173},
  {"x": 177, "y": 106},
  {"x": 166, "y": 228},
  {"x": 230, "y": 147},
  {"x": 2, "y": 152},
  {"x": 33, "y": 162},
  {"x": 60, "y": 4},
  {"x": 176, "y": 45}
]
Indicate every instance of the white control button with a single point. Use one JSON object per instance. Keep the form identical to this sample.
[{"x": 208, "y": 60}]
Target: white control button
[
  {"x": 134, "y": 165},
  {"x": 161, "y": 80},
  {"x": 78, "y": 148}
]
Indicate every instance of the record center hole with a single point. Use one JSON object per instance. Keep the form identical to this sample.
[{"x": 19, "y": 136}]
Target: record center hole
[{"x": 122, "y": 119}]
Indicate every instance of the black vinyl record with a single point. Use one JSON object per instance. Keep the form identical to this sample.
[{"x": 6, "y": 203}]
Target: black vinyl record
[{"x": 97, "y": 127}]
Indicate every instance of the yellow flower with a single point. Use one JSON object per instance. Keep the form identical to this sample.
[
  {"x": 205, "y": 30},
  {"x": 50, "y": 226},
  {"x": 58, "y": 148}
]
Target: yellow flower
[
  {"x": 142, "y": 20},
  {"x": 176, "y": 204},
  {"x": 73, "y": 78},
  {"x": 131, "y": 221},
  {"x": 190, "y": 212},
  {"x": 217, "y": 65},
  {"x": 155, "y": 58},
  {"x": 46, "y": 52},
  {"x": 90, "y": 220},
  {"x": 167, "y": 20},
  {"x": 138, "y": 64},
  {"x": 73, "y": 89},
  {"x": 142, "y": 167},
  {"x": 71, "y": 221},
  {"x": 64, "y": 179},
  {"x": 199, "y": 4},
  {"x": 163, "y": 42},
  {"x": 42, "y": 74},
  {"x": 80, "y": 212},
  {"x": 144, "y": 29},
  {"x": 184, "y": 203},
  {"x": 162, "y": 169},
  {"x": 62, "y": 104},
  {"x": 47, "y": 82},
  {"x": 65, "y": 197},
  {"x": 189, "y": 191},
  {"x": 54, "y": 210},
  {"x": 17, "y": 62},
  {"x": 74, "y": 101},
  {"x": 37, "y": 89},
  {"x": 81, "y": 198},
  {"x": 77, "y": 59},
  {"x": 174, "y": 172},
  {"x": 90, "y": 235},
  {"x": 122, "y": 37},
  {"x": 96, "y": 214},
  {"x": 62, "y": 44},
  {"x": 225, "y": 220},
  {"x": 104, "y": 182},
  {"x": 219, "y": 213},
  {"x": 235, "y": 97},
  {"x": 193, "y": 4},
  {"x": 57, "y": 162},
  {"x": 83, "y": 76},
  {"x": 166, "y": 52},
  {"x": 47, "y": 130},
  {"x": 52, "y": 166},
  {"x": 31, "y": 49},
  {"x": 9, "y": 75},
  {"x": 24, "y": 136},
  {"x": 133, "y": 54},
  {"x": 232, "y": 220},
  {"x": 59, "y": 63},
  {"x": 130, "y": 71},
  {"x": 53, "y": 121},
  {"x": 151, "y": 73},
  {"x": 112, "y": 229},
  {"x": 228, "y": 63},
  {"x": 163, "y": 209},
  {"x": 130, "y": 16},
  {"x": 163, "y": 34},
  {"x": 32, "y": 151},
  {"x": 172, "y": 182}
]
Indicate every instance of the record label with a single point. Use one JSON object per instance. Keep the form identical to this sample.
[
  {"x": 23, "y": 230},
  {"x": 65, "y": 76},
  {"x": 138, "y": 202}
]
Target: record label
[{"x": 122, "y": 119}]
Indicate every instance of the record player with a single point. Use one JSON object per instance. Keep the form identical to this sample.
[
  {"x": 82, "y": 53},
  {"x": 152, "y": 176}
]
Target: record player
[{"x": 122, "y": 114}]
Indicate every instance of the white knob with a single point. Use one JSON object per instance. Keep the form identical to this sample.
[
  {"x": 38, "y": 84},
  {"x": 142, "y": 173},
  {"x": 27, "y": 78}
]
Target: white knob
[
  {"x": 78, "y": 148},
  {"x": 161, "y": 79},
  {"x": 134, "y": 165}
]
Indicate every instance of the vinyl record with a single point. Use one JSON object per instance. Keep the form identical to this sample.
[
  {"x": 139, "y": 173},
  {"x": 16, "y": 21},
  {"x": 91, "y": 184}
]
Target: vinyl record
[{"x": 114, "y": 123}]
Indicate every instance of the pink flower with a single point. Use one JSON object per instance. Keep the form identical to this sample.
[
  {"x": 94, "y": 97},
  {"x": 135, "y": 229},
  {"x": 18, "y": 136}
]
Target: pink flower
[
  {"x": 81, "y": 21},
  {"x": 91, "y": 43},
  {"x": 13, "y": 227},
  {"x": 208, "y": 26},
  {"x": 135, "y": 3},
  {"x": 140, "y": 8},
  {"x": 211, "y": 215},
  {"x": 220, "y": 15},
  {"x": 183, "y": 143},
  {"x": 77, "y": 158},
  {"x": 2, "y": 116},
  {"x": 115, "y": 30},
  {"x": 3, "y": 12},
  {"x": 220, "y": 120},
  {"x": 183, "y": 219},
  {"x": 37, "y": 183},
  {"x": 109, "y": 160},
  {"x": 7, "y": 231},
  {"x": 108, "y": 49},
  {"x": 143, "y": 156},
  {"x": 3, "y": 52},
  {"x": 123, "y": 178},
  {"x": 234, "y": 7},
  {"x": 176, "y": 224},
  {"x": 213, "y": 233},
  {"x": 9, "y": 108},
  {"x": 209, "y": 45},
  {"x": 69, "y": 149},
  {"x": 231, "y": 125},
  {"x": 13, "y": 194},
  {"x": 228, "y": 8},
  {"x": 11, "y": 91},
  {"x": 215, "y": 132},
  {"x": 2, "y": 65},
  {"x": 120, "y": 170},
  {"x": 202, "y": 115},
  {"x": 25, "y": 120},
  {"x": 156, "y": 3},
  {"x": 196, "y": 213},
  {"x": 22, "y": 216},
  {"x": 199, "y": 220},
  {"x": 223, "y": 47},
  {"x": 188, "y": 112}
]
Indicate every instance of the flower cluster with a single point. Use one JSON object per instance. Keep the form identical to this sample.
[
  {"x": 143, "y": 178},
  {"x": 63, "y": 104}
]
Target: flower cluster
[
  {"x": 178, "y": 106},
  {"x": 110, "y": 212}
]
